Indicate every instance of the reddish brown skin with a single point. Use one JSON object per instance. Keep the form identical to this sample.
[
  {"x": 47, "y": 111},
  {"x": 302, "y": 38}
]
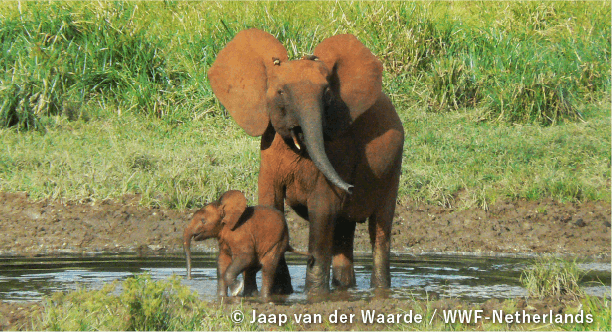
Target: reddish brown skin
[
  {"x": 255, "y": 241},
  {"x": 349, "y": 138}
]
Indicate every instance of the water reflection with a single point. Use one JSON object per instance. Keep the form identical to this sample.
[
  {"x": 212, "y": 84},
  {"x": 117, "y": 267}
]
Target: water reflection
[{"x": 469, "y": 278}]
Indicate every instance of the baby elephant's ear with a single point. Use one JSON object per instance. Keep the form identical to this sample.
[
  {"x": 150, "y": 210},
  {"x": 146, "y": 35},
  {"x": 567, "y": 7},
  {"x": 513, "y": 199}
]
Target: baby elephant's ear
[{"x": 232, "y": 203}]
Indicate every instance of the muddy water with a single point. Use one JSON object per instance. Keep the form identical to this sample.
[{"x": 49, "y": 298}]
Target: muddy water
[{"x": 470, "y": 278}]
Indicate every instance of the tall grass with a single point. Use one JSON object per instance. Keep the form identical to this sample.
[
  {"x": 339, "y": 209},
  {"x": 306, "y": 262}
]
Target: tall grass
[
  {"x": 550, "y": 276},
  {"x": 62, "y": 55},
  {"x": 522, "y": 62},
  {"x": 602, "y": 314},
  {"x": 500, "y": 100}
]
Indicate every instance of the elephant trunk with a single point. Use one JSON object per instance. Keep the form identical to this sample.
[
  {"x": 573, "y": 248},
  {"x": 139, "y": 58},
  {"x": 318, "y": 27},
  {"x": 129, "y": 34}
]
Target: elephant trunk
[
  {"x": 313, "y": 137},
  {"x": 187, "y": 247}
]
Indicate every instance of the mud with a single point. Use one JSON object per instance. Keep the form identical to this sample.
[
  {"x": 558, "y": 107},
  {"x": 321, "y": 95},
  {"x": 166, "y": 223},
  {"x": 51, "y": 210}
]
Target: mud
[
  {"x": 522, "y": 227},
  {"x": 32, "y": 228}
]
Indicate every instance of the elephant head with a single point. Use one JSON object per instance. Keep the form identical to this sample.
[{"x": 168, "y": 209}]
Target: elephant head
[
  {"x": 305, "y": 101},
  {"x": 208, "y": 222}
]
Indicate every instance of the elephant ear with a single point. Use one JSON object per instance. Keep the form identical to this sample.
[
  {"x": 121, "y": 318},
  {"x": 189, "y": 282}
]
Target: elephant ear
[
  {"x": 233, "y": 204},
  {"x": 238, "y": 77},
  {"x": 356, "y": 74}
]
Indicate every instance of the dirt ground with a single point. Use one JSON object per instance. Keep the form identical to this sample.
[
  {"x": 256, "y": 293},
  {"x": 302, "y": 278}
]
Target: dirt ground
[
  {"x": 31, "y": 228},
  {"x": 510, "y": 228}
]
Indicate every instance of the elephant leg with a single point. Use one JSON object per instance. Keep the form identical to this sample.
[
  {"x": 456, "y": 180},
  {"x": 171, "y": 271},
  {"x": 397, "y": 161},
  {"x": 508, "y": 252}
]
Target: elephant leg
[
  {"x": 223, "y": 262},
  {"x": 269, "y": 195},
  {"x": 282, "y": 278},
  {"x": 237, "y": 266},
  {"x": 342, "y": 259},
  {"x": 320, "y": 241},
  {"x": 380, "y": 223},
  {"x": 268, "y": 270},
  {"x": 267, "y": 192},
  {"x": 250, "y": 283}
]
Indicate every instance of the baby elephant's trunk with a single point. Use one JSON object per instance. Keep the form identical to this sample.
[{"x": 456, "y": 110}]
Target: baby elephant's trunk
[{"x": 187, "y": 247}]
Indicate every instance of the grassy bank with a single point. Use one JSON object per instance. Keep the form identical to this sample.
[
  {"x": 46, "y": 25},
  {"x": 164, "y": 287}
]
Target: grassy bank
[
  {"x": 499, "y": 100},
  {"x": 173, "y": 165},
  {"x": 522, "y": 62},
  {"x": 179, "y": 165},
  {"x": 455, "y": 161},
  {"x": 143, "y": 304}
]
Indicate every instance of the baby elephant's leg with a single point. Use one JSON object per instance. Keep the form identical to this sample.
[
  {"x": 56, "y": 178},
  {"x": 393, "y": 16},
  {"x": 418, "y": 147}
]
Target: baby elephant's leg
[
  {"x": 250, "y": 285},
  {"x": 239, "y": 264},
  {"x": 223, "y": 262},
  {"x": 269, "y": 263}
]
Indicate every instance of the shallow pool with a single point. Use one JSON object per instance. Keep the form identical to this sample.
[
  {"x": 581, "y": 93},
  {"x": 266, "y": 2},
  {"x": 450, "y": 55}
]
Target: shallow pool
[{"x": 470, "y": 278}]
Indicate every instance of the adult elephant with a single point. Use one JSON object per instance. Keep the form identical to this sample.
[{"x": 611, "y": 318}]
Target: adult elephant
[{"x": 331, "y": 145}]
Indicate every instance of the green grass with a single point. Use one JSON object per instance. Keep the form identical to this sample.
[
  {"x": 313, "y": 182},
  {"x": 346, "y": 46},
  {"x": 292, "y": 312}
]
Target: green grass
[
  {"x": 522, "y": 62},
  {"x": 185, "y": 164},
  {"x": 602, "y": 317},
  {"x": 141, "y": 305},
  {"x": 172, "y": 165},
  {"x": 550, "y": 276},
  {"x": 454, "y": 160},
  {"x": 504, "y": 100}
]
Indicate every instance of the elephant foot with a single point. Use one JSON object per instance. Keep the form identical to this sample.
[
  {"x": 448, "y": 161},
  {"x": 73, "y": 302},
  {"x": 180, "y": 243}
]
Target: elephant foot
[
  {"x": 382, "y": 293},
  {"x": 236, "y": 287},
  {"x": 317, "y": 292},
  {"x": 250, "y": 290},
  {"x": 282, "y": 288},
  {"x": 316, "y": 285},
  {"x": 380, "y": 280},
  {"x": 343, "y": 273},
  {"x": 251, "y": 293},
  {"x": 344, "y": 279}
]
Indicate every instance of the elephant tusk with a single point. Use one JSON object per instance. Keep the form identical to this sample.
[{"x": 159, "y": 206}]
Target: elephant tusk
[{"x": 295, "y": 140}]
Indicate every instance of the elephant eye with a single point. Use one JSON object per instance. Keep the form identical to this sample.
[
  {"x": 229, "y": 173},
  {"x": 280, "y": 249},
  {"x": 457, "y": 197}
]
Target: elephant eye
[{"x": 280, "y": 91}]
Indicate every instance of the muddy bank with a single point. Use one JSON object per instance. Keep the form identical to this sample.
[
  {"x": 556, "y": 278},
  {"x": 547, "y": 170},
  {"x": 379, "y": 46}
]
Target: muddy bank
[{"x": 48, "y": 227}]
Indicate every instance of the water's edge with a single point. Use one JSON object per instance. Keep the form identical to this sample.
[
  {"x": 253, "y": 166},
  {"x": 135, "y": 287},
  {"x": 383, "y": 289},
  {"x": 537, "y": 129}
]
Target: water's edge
[{"x": 468, "y": 277}]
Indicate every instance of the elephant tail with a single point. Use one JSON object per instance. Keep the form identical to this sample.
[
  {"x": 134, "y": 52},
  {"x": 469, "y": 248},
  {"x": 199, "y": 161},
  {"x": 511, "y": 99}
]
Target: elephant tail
[{"x": 303, "y": 253}]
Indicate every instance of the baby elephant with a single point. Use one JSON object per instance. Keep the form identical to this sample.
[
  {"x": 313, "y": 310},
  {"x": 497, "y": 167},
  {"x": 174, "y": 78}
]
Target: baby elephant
[{"x": 250, "y": 239}]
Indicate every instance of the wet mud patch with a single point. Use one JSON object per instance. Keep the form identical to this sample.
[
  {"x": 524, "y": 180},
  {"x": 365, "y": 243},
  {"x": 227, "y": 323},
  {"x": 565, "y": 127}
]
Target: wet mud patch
[{"x": 521, "y": 227}]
